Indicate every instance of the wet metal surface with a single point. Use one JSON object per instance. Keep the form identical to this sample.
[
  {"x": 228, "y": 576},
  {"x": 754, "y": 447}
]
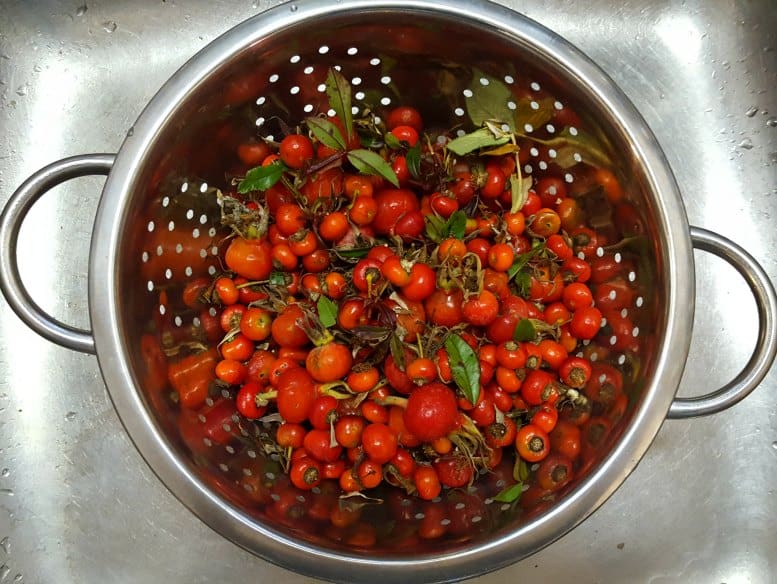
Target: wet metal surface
[{"x": 78, "y": 504}]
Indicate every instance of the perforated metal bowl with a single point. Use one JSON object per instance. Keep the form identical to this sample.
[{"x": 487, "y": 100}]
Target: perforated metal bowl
[{"x": 157, "y": 226}]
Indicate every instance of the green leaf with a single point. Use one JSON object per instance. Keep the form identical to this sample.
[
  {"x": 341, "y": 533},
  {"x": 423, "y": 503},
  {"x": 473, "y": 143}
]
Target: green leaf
[
  {"x": 438, "y": 229},
  {"x": 489, "y": 102},
  {"x": 327, "y": 311},
  {"x": 534, "y": 329},
  {"x": 521, "y": 470},
  {"x": 397, "y": 349},
  {"x": 510, "y": 494},
  {"x": 480, "y": 138},
  {"x": 352, "y": 252},
  {"x": 369, "y": 140},
  {"x": 523, "y": 283},
  {"x": 413, "y": 160},
  {"x": 371, "y": 334},
  {"x": 387, "y": 65},
  {"x": 519, "y": 191},
  {"x": 465, "y": 367},
  {"x": 338, "y": 90},
  {"x": 573, "y": 146},
  {"x": 392, "y": 141},
  {"x": 277, "y": 279},
  {"x": 525, "y": 331},
  {"x": 435, "y": 228},
  {"x": 326, "y": 132},
  {"x": 501, "y": 150},
  {"x": 588, "y": 148},
  {"x": 526, "y": 114},
  {"x": 456, "y": 225},
  {"x": 261, "y": 178},
  {"x": 522, "y": 261},
  {"x": 368, "y": 162}
]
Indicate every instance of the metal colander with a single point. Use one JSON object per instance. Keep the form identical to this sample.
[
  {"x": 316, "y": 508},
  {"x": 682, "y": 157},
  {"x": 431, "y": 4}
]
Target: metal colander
[{"x": 158, "y": 226}]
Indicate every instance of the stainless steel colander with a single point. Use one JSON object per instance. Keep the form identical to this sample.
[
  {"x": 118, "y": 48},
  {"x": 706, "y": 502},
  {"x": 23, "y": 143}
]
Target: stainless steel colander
[{"x": 158, "y": 226}]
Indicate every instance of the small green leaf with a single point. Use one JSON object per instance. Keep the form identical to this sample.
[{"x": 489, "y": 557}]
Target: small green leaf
[
  {"x": 397, "y": 349},
  {"x": 501, "y": 150},
  {"x": 525, "y": 331},
  {"x": 338, "y": 90},
  {"x": 368, "y": 162},
  {"x": 435, "y": 228},
  {"x": 465, "y": 367},
  {"x": 413, "y": 160},
  {"x": 588, "y": 148},
  {"x": 519, "y": 191},
  {"x": 523, "y": 283},
  {"x": 277, "y": 279},
  {"x": 327, "y": 311},
  {"x": 387, "y": 65},
  {"x": 446, "y": 83},
  {"x": 510, "y": 494},
  {"x": 326, "y": 132},
  {"x": 573, "y": 146},
  {"x": 261, "y": 178},
  {"x": 371, "y": 334},
  {"x": 352, "y": 252},
  {"x": 456, "y": 225},
  {"x": 535, "y": 117},
  {"x": 489, "y": 101},
  {"x": 480, "y": 138},
  {"x": 521, "y": 470},
  {"x": 392, "y": 141},
  {"x": 369, "y": 140},
  {"x": 522, "y": 261},
  {"x": 438, "y": 229}
]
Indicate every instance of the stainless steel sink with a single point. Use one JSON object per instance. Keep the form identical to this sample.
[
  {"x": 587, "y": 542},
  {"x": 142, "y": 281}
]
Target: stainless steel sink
[{"x": 78, "y": 504}]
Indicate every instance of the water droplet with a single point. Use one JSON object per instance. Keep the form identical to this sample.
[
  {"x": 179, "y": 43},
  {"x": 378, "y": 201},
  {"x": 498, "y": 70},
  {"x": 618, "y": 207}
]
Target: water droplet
[
  {"x": 746, "y": 144},
  {"x": 131, "y": 131},
  {"x": 774, "y": 444},
  {"x": 773, "y": 156},
  {"x": 752, "y": 111},
  {"x": 4, "y": 570},
  {"x": 772, "y": 122},
  {"x": 17, "y": 578},
  {"x": 23, "y": 89},
  {"x": 5, "y": 472},
  {"x": 293, "y": 7},
  {"x": 37, "y": 68},
  {"x": 8, "y": 492},
  {"x": 109, "y": 26},
  {"x": 5, "y": 545},
  {"x": 70, "y": 416},
  {"x": 81, "y": 10},
  {"x": 726, "y": 65}
]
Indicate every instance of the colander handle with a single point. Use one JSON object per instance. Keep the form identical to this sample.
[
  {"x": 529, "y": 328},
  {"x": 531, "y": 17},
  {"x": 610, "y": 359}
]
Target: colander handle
[
  {"x": 11, "y": 221},
  {"x": 766, "y": 344}
]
